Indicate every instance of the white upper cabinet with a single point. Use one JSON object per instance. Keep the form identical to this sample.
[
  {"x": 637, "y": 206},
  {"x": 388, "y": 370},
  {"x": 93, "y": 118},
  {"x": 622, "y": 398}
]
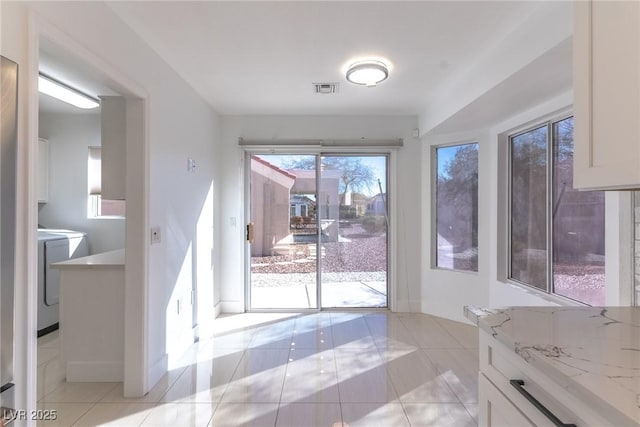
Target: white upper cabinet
[
  {"x": 606, "y": 64},
  {"x": 43, "y": 170},
  {"x": 114, "y": 145}
]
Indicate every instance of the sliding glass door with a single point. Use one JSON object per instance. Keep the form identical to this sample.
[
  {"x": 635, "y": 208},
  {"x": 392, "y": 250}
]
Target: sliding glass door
[
  {"x": 317, "y": 220},
  {"x": 283, "y": 232},
  {"x": 354, "y": 222}
]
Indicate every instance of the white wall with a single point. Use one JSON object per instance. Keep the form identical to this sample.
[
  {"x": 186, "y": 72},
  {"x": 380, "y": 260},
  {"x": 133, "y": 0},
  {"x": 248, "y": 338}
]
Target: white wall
[
  {"x": 407, "y": 190},
  {"x": 179, "y": 124},
  {"x": 445, "y": 292},
  {"x": 547, "y": 26},
  {"x": 69, "y": 137}
]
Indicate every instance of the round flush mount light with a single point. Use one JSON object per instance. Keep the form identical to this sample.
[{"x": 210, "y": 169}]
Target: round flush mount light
[{"x": 367, "y": 72}]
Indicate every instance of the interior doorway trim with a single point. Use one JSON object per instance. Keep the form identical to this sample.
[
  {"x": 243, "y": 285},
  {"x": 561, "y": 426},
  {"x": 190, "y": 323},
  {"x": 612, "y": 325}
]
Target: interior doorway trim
[{"x": 136, "y": 366}]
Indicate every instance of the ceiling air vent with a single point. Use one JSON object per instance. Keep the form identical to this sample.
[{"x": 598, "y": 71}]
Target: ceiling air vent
[{"x": 325, "y": 88}]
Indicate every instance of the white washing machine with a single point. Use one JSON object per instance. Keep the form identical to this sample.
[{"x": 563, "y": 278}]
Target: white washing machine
[{"x": 54, "y": 246}]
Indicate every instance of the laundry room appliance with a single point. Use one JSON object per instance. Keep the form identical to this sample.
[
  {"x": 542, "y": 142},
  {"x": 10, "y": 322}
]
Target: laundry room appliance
[{"x": 54, "y": 246}]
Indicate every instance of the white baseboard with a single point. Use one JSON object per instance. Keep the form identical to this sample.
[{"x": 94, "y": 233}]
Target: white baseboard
[
  {"x": 107, "y": 371},
  {"x": 217, "y": 309},
  {"x": 415, "y": 306},
  {"x": 205, "y": 329},
  {"x": 232, "y": 307},
  {"x": 408, "y": 306},
  {"x": 157, "y": 371}
]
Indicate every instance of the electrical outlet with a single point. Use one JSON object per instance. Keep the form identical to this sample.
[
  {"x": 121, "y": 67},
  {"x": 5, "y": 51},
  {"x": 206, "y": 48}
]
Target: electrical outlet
[
  {"x": 191, "y": 165},
  {"x": 155, "y": 235}
]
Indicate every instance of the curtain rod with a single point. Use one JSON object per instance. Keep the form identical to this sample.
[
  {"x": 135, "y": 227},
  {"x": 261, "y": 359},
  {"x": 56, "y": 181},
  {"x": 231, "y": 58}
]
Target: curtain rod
[{"x": 348, "y": 143}]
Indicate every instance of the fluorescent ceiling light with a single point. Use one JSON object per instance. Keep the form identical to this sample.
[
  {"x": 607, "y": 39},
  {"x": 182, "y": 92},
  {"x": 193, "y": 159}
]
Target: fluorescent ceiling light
[
  {"x": 64, "y": 93},
  {"x": 368, "y": 72}
]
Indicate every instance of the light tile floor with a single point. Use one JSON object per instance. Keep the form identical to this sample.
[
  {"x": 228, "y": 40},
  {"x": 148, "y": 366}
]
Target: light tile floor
[{"x": 324, "y": 369}]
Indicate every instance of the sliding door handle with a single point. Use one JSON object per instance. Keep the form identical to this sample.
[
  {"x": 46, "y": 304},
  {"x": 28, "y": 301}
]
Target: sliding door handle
[
  {"x": 519, "y": 386},
  {"x": 250, "y": 232}
]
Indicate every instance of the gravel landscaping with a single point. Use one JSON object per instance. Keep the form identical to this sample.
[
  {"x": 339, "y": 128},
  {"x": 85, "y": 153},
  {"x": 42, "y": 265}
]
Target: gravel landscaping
[
  {"x": 584, "y": 283},
  {"x": 362, "y": 255}
]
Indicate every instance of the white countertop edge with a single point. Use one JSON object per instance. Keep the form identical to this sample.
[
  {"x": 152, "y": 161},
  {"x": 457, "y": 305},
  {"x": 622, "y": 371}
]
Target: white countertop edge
[
  {"x": 475, "y": 313},
  {"x": 112, "y": 259}
]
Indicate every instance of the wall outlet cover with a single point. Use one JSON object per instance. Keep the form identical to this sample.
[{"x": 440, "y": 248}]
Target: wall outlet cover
[{"x": 155, "y": 235}]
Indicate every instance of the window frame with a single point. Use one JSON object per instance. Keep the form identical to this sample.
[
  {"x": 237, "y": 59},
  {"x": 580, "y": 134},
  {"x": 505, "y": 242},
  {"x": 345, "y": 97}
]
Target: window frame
[
  {"x": 549, "y": 292},
  {"x": 94, "y": 187},
  {"x": 434, "y": 205},
  {"x": 548, "y": 180},
  {"x": 94, "y": 208}
]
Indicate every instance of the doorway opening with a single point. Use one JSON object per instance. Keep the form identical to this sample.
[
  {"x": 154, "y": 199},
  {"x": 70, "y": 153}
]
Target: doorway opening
[
  {"x": 69, "y": 136},
  {"x": 318, "y": 231}
]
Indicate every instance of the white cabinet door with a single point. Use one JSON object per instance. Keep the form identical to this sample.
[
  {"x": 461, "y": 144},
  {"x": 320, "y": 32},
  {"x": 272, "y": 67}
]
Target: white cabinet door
[
  {"x": 114, "y": 145},
  {"x": 43, "y": 171},
  {"x": 607, "y": 94},
  {"x": 496, "y": 410}
]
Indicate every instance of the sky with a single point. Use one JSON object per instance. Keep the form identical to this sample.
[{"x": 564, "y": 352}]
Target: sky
[
  {"x": 445, "y": 154},
  {"x": 376, "y": 163}
]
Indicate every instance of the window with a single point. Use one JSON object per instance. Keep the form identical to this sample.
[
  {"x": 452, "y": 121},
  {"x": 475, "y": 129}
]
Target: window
[
  {"x": 556, "y": 232},
  {"x": 97, "y": 207},
  {"x": 456, "y": 209}
]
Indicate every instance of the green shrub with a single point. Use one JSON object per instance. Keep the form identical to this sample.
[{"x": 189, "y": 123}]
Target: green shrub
[
  {"x": 347, "y": 212},
  {"x": 374, "y": 224}
]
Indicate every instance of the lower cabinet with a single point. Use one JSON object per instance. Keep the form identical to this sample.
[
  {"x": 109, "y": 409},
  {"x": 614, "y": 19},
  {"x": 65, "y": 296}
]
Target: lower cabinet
[
  {"x": 514, "y": 393},
  {"x": 496, "y": 410}
]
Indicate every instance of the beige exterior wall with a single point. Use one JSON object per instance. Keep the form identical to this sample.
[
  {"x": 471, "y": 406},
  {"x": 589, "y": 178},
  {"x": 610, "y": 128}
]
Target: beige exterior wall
[
  {"x": 270, "y": 191},
  {"x": 328, "y": 202}
]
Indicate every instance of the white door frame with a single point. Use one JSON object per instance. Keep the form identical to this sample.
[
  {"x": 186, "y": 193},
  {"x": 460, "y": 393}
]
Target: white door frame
[{"x": 136, "y": 258}]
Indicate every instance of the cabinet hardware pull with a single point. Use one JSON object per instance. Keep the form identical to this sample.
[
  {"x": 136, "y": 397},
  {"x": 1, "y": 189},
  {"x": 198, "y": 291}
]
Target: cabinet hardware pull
[{"x": 519, "y": 385}]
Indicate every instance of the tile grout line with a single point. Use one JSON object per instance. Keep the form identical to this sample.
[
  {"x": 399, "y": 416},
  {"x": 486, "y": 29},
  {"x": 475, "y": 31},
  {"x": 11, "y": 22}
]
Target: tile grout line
[
  {"x": 83, "y": 414},
  {"x": 335, "y": 364},
  {"x": 275, "y": 423},
  {"x": 404, "y": 411},
  {"x": 244, "y": 351},
  {"x": 443, "y": 379},
  {"x": 370, "y": 323},
  {"x": 424, "y": 351}
]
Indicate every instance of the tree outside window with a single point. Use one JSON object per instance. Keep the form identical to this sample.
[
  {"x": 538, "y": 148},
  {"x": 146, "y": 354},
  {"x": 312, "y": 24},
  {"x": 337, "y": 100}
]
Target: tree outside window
[
  {"x": 557, "y": 233},
  {"x": 457, "y": 207}
]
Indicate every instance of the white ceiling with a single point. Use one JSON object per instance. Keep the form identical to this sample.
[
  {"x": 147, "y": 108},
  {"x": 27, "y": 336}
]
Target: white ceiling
[
  {"x": 547, "y": 76},
  {"x": 262, "y": 57}
]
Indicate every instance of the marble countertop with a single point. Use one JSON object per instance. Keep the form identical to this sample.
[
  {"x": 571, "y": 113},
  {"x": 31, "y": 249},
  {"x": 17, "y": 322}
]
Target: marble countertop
[
  {"x": 592, "y": 352},
  {"x": 112, "y": 259}
]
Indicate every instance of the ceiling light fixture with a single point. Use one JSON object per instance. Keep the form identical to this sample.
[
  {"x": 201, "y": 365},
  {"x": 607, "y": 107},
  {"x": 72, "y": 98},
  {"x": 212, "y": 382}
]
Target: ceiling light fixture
[
  {"x": 64, "y": 93},
  {"x": 368, "y": 72}
]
